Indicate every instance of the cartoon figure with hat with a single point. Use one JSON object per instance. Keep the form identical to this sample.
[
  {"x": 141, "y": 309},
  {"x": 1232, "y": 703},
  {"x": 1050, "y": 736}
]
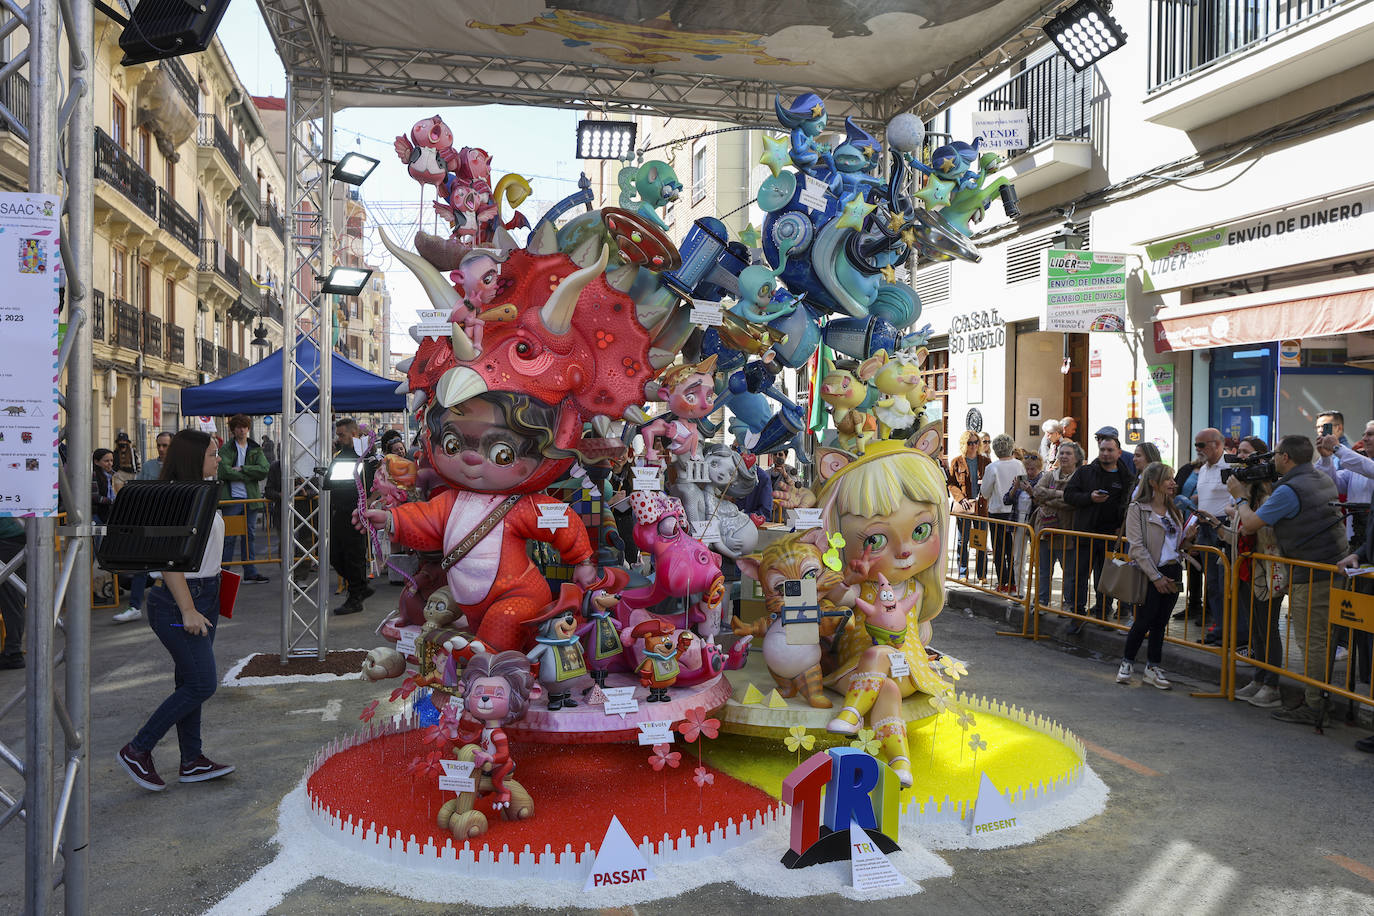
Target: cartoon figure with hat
[
  {"x": 690, "y": 392},
  {"x": 603, "y": 647},
  {"x": 557, "y": 651},
  {"x": 659, "y": 670}
]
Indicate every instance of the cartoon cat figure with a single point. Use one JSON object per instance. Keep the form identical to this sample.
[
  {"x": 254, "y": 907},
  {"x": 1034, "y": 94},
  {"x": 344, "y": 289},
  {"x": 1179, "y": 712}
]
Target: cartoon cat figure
[{"x": 796, "y": 669}]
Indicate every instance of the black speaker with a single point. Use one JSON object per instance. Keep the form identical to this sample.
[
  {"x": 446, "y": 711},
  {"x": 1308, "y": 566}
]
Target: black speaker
[
  {"x": 160, "y": 525},
  {"x": 170, "y": 28}
]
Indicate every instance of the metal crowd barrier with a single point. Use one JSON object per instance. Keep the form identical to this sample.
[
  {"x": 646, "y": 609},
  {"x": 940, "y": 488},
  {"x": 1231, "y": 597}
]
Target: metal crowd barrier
[
  {"x": 237, "y": 526},
  {"x": 1320, "y": 600},
  {"x": 993, "y": 536},
  {"x": 1076, "y": 553}
]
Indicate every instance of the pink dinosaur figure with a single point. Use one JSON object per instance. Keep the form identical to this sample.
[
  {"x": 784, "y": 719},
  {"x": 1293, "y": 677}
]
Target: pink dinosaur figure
[{"x": 683, "y": 568}]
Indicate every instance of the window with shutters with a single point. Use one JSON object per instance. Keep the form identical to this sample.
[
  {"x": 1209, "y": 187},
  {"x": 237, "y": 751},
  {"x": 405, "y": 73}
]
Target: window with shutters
[
  {"x": 932, "y": 283},
  {"x": 1026, "y": 258}
]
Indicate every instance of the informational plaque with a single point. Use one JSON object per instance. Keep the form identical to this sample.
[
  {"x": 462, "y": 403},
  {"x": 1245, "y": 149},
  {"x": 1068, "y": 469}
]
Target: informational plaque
[{"x": 30, "y": 273}]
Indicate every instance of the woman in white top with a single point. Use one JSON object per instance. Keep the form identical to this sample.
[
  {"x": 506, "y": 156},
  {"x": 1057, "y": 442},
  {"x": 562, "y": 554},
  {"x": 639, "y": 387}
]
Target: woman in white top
[
  {"x": 1000, "y": 475},
  {"x": 1154, "y": 530},
  {"x": 182, "y": 610}
]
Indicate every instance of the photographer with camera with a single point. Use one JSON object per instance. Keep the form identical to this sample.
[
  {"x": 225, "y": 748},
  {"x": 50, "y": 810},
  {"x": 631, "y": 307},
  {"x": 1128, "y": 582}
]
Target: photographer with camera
[
  {"x": 1354, "y": 476},
  {"x": 1260, "y": 587},
  {"x": 1307, "y": 528}
]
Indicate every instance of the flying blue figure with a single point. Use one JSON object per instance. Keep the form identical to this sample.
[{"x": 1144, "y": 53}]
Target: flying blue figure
[
  {"x": 805, "y": 119},
  {"x": 952, "y": 162},
  {"x": 746, "y": 393},
  {"x": 852, "y": 160}
]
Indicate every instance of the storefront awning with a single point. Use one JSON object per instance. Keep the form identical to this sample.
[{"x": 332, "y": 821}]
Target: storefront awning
[{"x": 1198, "y": 327}]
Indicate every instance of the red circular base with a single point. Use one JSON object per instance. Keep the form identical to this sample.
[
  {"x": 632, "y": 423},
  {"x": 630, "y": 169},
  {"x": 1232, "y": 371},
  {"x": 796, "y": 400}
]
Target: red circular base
[{"x": 576, "y": 789}]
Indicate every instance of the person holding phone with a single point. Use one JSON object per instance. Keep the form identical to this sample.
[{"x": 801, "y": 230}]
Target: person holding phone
[
  {"x": 183, "y": 609},
  {"x": 1154, "y": 531},
  {"x": 1099, "y": 492}
]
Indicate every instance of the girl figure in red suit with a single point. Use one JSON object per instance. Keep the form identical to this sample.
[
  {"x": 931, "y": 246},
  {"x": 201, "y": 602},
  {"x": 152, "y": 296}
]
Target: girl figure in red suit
[{"x": 493, "y": 449}]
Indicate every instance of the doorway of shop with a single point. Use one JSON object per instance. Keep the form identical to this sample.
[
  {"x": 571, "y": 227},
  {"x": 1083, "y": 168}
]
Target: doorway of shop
[{"x": 1076, "y": 384}]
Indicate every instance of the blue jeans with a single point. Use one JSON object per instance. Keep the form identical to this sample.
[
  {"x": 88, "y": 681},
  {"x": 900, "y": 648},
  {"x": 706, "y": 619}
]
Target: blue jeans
[
  {"x": 1060, "y": 553},
  {"x": 965, "y": 527},
  {"x": 249, "y": 551},
  {"x": 1211, "y": 614},
  {"x": 193, "y": 658},
  {"x": 138, "y": 590}
]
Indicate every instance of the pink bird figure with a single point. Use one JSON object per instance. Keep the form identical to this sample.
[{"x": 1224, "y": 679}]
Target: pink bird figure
[{"x": 428, "y": 152}]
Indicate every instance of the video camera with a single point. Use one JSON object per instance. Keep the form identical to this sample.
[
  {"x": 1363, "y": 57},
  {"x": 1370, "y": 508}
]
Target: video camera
[{"x": 1253, "y": 469}]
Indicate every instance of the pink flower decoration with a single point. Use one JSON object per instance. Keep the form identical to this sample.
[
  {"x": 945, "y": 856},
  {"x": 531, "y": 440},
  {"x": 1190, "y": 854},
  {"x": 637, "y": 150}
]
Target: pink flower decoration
[
  {"x": 696, "y": 724},
  {"x": 660, "y": 756},
  {"x": 369, "y": 711},
  {"x": 703, "y": 777}
]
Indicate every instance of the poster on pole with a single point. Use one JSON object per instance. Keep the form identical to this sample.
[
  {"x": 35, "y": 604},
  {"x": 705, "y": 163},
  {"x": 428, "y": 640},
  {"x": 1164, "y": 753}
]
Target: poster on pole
[
  {"x": 30, "y": 273},
  {"x": 1159, "y": 409},
  {"x": 1086, "y": 291}
]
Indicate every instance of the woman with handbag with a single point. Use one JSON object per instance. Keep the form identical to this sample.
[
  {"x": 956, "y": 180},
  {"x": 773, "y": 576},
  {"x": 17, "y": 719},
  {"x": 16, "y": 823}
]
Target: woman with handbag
[
  {"x": 967, "y": 471},
  {"x": 182, "y": 610},
  {"x": 1154, "y": 531},
  {"x": 1051, "y": 511}
]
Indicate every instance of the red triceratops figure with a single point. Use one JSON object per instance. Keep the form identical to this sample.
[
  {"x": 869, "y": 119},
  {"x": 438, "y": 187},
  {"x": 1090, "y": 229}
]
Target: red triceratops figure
[
  {"x": 428, "y": 152},
  {"x": 568, "y": 337}
]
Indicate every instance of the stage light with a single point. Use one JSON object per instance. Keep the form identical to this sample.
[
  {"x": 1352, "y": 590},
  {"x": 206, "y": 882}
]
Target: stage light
[
  {"x": 1085, "y": 33},
  {"x": 345, "y": 281},
  {"x": 353, "y": 168},
  {"x": 605, "y": 139}
]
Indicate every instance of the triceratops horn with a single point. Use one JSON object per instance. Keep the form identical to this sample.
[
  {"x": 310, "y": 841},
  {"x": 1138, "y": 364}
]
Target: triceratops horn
[
  {"x": 463, "y": 350},
  {"x": 587, "y": 251},
  {"x": 557, "y": 313},
  {"x": 635, "y": 414},
  {"x": 441, "y": 292},
  {"x": 504, "y": 243},
  {"x": 404, "y": 387},
  {"x": 623, "y": 277},
  {"x": 544, "y": 240},
  {"x": 416, "y": 400},
  {"x": 404, "y": 365},
  {"x": 659, "y": 358}
]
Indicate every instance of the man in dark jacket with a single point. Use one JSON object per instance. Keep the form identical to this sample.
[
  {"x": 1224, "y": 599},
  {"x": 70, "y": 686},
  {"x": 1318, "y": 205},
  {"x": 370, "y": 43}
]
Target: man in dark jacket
[
  {"x": 348, "y": 545},
  {"x": 242, "y": 468},
  {"x": 1099, "y": 492}
]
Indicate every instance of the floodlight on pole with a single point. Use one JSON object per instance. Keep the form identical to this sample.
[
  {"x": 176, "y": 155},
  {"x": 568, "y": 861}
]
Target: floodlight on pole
[
  {"x": 345, "y": 281},
  {"x": 1085, "y": 33},
  {"x": 605, "y": 139},
  {"x": 352, "y": 168}
]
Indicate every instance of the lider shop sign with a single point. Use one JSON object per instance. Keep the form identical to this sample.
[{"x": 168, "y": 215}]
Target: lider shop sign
[{"x": 1306, "y": 232}]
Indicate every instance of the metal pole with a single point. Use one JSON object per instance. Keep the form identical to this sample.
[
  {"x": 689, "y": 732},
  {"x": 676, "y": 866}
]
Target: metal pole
[
  {"x": 46, "y": 90},
  {"x": 80, "y": 419},
  {"x": 326, "y": 402},
  {"x": 290, "y": 328}
]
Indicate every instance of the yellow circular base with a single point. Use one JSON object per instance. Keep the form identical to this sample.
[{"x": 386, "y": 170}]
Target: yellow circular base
[{"x": 1020, "y": 756}]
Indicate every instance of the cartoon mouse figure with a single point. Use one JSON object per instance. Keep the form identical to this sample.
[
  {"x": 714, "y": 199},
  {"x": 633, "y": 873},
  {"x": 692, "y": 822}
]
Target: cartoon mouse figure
[{"x": 659, "y": 670}]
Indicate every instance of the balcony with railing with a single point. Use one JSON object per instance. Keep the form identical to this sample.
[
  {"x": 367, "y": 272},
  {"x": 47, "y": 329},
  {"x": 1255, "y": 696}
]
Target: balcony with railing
[
  {"x": 152, "y": 335},
  {"x": 1059, "y": 111},
  {"x": 271, "y": 217},
  {"x": 176, "y": 344},
  {"x": 215, "y": 258},
  {"x": 1209, "y": 59},
  {"x": 127, "y": 320},
  {"x": 237, "y": 363},
  {"x": 118, "y": 169},
  {"x": 97, "y": 315},
  {"x": 206, "y": 363},
  {"x": 173, "y": 217},
  {"x": 246, "y": 199},
  {"x": 216, "y": 156},
  {"x": 14, "y": 95},
  {"x": 272, "y": 308},
  {"x": 182, "y": 81},
  {"x": 222, "y": 360}
]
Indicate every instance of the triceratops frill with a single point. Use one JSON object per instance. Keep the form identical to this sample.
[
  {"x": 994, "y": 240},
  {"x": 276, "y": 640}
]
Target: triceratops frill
[{"x": 557, "y": 331}]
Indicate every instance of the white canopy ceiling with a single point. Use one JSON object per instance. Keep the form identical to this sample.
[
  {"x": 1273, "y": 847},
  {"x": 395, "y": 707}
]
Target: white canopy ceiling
[{"x": 704, "y": 58}]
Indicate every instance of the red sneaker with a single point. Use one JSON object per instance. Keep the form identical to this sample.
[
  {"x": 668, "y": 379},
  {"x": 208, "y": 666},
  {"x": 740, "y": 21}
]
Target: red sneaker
[
  {"x": 203, "y": 768},
  {"x": 139, "y": 765}
]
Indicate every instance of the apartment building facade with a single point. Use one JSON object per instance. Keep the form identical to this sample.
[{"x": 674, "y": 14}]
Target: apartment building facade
[
  {"x": 1216, "y": 151},
  {"x": 189, "y": 232}
]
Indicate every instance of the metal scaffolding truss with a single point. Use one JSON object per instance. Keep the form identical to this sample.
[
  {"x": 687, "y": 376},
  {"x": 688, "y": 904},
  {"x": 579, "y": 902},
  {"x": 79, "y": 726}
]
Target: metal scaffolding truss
[
  {"x": 468, "y": 79},
  {"x": 57, "y": 588},
  {"x": 306, "y": 444}
]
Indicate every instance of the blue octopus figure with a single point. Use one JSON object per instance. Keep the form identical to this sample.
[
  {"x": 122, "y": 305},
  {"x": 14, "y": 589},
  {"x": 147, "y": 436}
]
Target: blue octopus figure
[{"x": 805, "y": 120}]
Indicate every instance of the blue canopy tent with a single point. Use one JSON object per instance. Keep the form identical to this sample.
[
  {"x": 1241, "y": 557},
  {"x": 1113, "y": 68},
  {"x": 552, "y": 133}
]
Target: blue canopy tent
[{"x": 258, "y": 390}]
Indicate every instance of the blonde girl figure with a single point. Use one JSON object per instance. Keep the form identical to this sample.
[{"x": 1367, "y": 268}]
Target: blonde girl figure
[{"x": 890, "y": 505}]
